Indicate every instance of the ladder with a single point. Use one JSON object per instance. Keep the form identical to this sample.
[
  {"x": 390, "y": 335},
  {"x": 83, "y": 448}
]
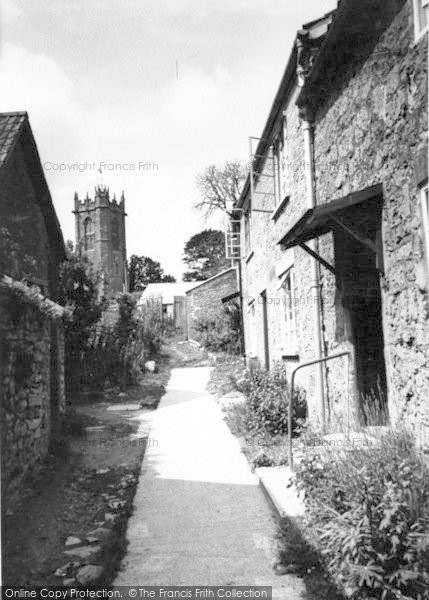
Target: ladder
[
  {"x": 233, "y": 239},
  {"x": 255, "y": 174}
]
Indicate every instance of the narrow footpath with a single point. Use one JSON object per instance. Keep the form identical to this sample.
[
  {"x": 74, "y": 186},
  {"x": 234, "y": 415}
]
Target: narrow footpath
[{"x": 200, "y": 517}]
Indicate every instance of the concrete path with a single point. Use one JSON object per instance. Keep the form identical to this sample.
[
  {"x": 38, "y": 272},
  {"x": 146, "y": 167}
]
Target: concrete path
[{"x": 200, "y": 517}]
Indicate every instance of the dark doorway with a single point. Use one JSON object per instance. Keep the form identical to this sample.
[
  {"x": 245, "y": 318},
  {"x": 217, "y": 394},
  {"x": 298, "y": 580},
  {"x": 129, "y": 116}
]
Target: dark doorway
[
  {"x": 358, "y": 279},
  {"x": 265, "y": 327}
]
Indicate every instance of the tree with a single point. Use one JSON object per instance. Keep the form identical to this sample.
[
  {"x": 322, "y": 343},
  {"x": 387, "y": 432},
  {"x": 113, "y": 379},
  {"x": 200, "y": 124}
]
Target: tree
[
  {"x": 220, "y": 187},
  {"x": 143, "y": 270},
  {"x": 79, "y": 289},
  {"x": 124, "y": 331},
  {"x": 204, "y": 255}
]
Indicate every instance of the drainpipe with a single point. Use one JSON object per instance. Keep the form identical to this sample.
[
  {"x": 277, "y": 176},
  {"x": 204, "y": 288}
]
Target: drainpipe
[
  {"x": 312, "y": 244},
  {"x": 314, "y": 270},
  {"x": 240, "y": 288}
]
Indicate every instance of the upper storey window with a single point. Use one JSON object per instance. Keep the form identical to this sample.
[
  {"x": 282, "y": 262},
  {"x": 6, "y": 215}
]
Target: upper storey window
[
  {"x": 88, "y": 234},
  {"x": 279, "y": 151}
]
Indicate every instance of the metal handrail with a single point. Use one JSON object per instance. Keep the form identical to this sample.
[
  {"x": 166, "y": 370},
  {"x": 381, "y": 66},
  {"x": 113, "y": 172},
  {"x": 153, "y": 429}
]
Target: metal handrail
[{"x": 306, "y": 364}]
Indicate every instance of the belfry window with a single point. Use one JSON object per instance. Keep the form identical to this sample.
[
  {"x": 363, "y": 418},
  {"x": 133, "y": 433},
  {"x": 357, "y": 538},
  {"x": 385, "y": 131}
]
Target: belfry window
[
  {"x": 88, "y": 234},
  {"x": 115, "y": 234}
]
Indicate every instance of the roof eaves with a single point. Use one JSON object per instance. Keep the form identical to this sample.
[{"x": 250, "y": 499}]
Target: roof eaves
[{"x": 284, "y": 89}]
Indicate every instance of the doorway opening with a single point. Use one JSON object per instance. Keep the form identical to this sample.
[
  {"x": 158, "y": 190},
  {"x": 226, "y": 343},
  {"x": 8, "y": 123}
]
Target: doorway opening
[{"x": 358, "y": 271}]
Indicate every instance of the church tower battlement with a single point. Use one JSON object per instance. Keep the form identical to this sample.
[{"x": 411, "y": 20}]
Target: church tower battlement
[{"x": 100, "y": 235}]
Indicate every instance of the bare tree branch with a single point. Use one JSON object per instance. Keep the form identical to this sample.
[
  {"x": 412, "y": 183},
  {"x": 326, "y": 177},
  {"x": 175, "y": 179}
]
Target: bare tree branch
[{"x": 218, "y": 186}]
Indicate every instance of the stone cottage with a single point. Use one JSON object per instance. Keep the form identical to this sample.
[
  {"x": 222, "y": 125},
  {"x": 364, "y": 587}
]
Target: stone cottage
[
  {"x": 334, "y": 218},
  {"x": 31, "y": 322},
  {"x": 206, "y": 298}
]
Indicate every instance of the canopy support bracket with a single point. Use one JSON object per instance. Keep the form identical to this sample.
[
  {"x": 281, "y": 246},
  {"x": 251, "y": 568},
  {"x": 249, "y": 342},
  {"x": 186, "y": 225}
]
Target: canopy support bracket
[
  {"x": 363, "y": 240},
  {"x": 317, "y": 257}
]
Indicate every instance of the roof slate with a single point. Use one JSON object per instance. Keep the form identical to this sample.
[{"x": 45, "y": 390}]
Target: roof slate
[{"x": 10, "y": 129}]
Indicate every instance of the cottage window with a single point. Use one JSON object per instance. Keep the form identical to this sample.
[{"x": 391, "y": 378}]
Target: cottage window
[
  {"x": 280, "y": 164},
  {"x": 424, "y": 195},
  {"x": 88, "y": 234},
  {"x": 252, "y": 349},
  {"x": 289, "y": 311},
  {"x": 115, "y": 234},
  {"x": 421, "y": 10},
  {"x": 247, "y": 238}
]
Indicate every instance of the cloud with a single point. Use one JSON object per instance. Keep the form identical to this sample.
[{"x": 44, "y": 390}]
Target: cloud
[
  {"x": 98, "y": 80},
  {"x": 206, "y": 8},
  {"x": 11, "y": 13}
]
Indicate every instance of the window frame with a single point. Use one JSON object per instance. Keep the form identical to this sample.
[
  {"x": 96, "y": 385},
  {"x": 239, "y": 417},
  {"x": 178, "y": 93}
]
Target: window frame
[
  {"x": 88, "y": 234},
  {"x": 278, "y": 149},
  {"x": 116, "y": 237},
  {"x": 289, "y": 316},
  {"x": 247, "y": 229}
]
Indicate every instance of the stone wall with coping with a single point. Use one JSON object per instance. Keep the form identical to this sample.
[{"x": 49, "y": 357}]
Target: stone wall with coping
[{"x": 29, "y": 375}]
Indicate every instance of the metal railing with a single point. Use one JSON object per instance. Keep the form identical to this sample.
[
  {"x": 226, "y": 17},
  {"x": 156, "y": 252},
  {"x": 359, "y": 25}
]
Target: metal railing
[{"x": 292, "y": 384}]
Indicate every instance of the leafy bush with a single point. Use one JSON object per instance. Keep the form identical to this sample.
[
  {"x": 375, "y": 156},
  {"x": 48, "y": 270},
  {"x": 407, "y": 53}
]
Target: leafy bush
[
  {"x": 78, "y": 290},
  {"x": 150, "y": 328},
  {"x": 116, "y": 353},
  {"x": 368, "y": 517},
  {"x": 221, "y": 330},
  {"x": 267, "y": 402}
]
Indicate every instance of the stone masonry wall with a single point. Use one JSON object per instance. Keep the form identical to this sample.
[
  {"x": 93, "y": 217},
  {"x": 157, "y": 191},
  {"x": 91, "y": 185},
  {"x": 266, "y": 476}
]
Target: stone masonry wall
[
  {"x": 27, "y": 412},
  {"x": 103, "y": 211},
  {"x": 206, "y": 299},
  {"x": 372, "y": 128}
]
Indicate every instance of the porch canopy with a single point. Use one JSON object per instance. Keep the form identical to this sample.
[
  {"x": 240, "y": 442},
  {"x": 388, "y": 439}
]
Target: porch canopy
[{"x": 327, "y": 217}]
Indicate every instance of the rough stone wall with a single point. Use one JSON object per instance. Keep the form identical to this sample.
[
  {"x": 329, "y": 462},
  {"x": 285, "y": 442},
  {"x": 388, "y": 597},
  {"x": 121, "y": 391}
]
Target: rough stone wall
[
  {"x": 206, "y": 299},
  {"x": 372, "y": 129},
  {"x": 27, "y": 411}
]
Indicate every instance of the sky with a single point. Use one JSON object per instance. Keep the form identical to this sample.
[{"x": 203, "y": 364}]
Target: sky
[{"x": 153, "y": 91}]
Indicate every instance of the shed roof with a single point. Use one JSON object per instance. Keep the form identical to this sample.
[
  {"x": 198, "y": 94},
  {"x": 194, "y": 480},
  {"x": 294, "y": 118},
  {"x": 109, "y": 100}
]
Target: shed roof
[{"x": 166, "y": 291}]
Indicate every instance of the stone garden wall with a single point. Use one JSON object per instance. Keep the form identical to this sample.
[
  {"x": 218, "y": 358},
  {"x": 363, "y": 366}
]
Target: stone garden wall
[{"x": 32, "y": 383}]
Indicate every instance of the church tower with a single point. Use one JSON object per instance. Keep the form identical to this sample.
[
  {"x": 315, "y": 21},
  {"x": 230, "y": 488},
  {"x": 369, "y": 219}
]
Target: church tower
[{"x": 100, "y": 235}]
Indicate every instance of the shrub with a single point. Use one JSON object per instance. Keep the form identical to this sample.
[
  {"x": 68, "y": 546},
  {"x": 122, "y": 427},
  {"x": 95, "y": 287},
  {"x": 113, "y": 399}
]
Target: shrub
[
  {"x": 267, "y": 402},
  {"x": 220, "y": 331},
  {"x": 78, "y": 290},
  {"x": 117, "y": 353},
  {"x": 368, "y": 517},
  {"x": 150, "y": 328}
]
